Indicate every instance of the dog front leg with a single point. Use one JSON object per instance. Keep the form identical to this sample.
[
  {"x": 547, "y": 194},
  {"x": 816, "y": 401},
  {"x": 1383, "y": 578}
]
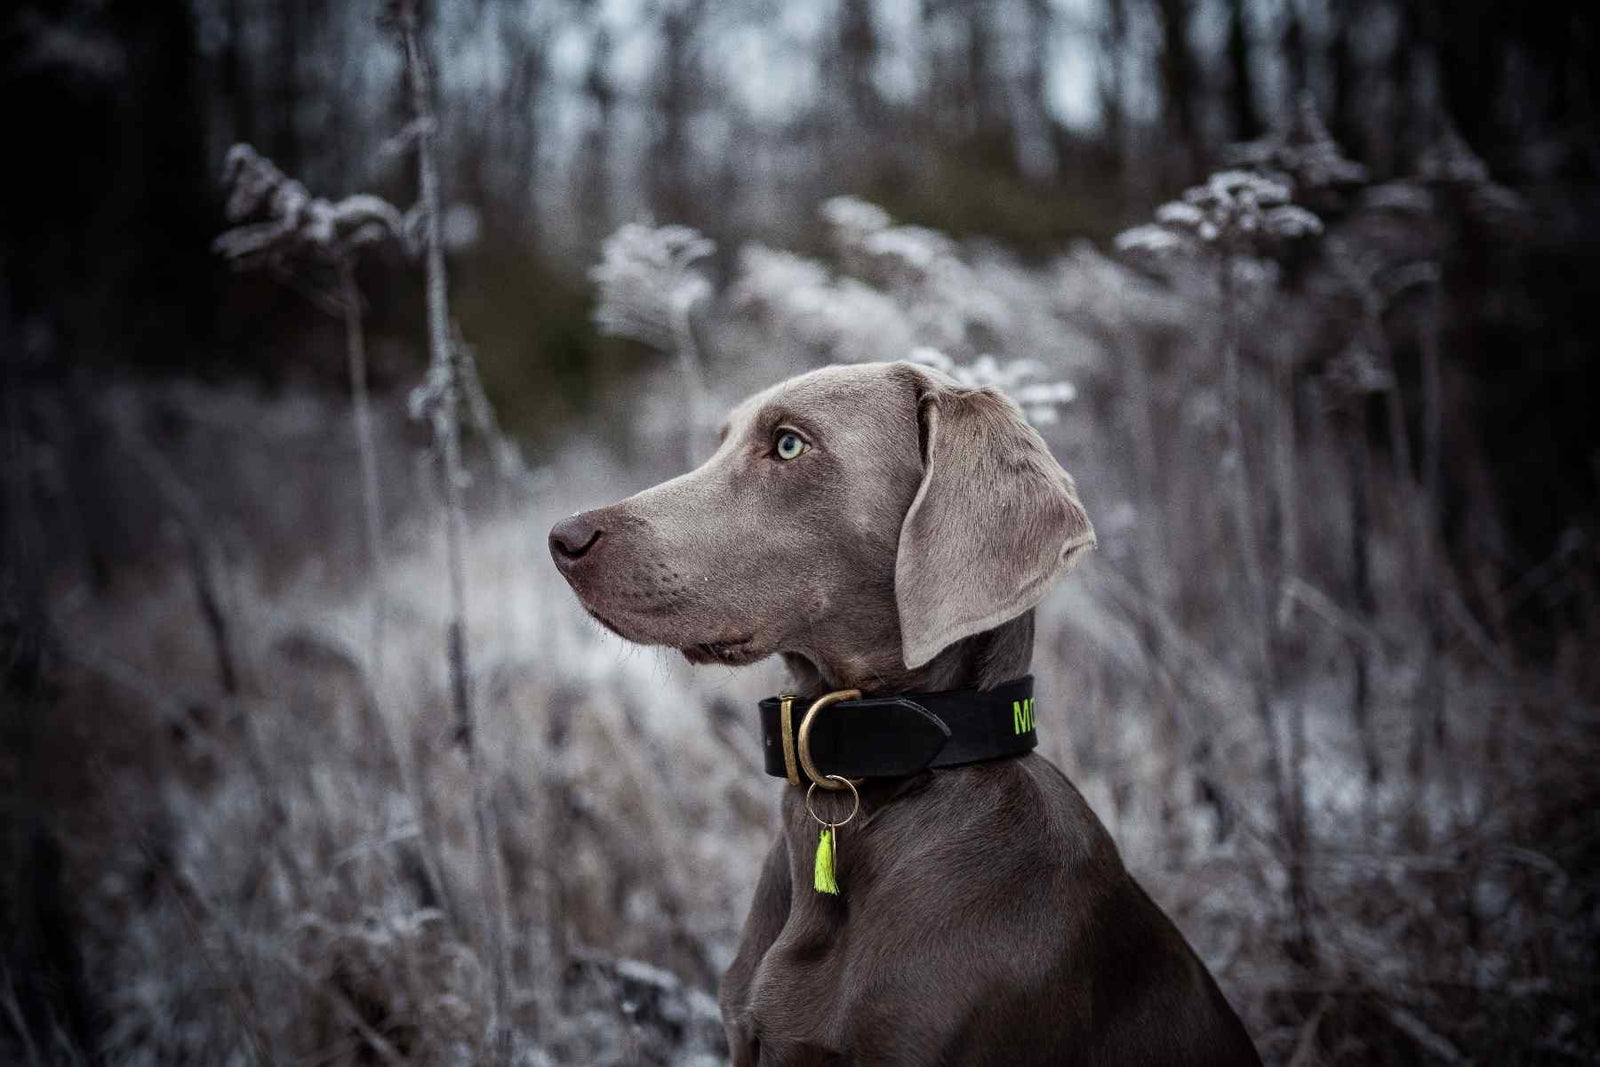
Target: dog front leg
[{"x": 769, "y": 910}]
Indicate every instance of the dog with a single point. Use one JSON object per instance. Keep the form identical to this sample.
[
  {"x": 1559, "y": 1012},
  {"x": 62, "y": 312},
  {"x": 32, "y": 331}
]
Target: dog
[{"x": 948, "y": 897}]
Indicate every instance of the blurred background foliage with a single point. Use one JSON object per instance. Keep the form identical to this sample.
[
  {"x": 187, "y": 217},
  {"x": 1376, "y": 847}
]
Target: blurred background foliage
[
  {"x": 1029, "y": 123},
  {"x": 1354, "y": 759}
]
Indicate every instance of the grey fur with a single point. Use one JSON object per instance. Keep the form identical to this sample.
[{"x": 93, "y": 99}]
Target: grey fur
[{"x": 986, "y": 917}]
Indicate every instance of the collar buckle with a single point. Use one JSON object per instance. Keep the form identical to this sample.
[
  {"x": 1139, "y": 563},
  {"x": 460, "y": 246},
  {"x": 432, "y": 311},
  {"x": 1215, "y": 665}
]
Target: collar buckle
[{"x": 817, "y": 777}]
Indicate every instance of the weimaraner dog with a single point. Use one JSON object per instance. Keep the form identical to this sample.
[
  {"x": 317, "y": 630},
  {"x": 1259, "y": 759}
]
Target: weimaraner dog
[{"x": 889, "y": 532}]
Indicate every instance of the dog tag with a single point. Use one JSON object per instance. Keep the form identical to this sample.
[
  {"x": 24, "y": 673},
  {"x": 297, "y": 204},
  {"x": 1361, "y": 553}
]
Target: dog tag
[{"x": 825, "y": 875}]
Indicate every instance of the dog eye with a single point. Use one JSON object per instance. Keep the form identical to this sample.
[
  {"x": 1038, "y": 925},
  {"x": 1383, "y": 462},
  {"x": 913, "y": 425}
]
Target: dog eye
[{"x": 789, "y": 445}]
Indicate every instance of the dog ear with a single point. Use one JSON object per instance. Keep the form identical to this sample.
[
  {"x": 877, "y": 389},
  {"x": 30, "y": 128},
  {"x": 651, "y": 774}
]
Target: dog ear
[{"x": 995, "y": 521}]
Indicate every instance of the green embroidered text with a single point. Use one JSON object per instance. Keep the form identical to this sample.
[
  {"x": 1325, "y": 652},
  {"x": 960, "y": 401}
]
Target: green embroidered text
[{"x": 1021, "y": 716}]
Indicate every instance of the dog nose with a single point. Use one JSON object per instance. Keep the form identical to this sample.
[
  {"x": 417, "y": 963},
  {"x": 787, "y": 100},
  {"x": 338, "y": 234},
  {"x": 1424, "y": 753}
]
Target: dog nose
[{"x": 573, "y": 538}]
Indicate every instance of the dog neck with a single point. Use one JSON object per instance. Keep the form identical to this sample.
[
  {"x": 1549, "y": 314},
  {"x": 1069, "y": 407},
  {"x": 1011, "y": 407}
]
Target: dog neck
[{"x": 982, "y": 661}]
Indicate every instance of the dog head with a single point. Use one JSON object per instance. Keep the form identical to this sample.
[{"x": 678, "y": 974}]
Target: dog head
[{"x": 863, "y": 517}]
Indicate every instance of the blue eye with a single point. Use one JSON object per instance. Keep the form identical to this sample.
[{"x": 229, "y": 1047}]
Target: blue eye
[{"x": 789, "y": 445}]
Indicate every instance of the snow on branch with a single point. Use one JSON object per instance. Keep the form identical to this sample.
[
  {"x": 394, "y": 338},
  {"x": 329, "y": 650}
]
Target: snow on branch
[{"x": 296, "y": 225}]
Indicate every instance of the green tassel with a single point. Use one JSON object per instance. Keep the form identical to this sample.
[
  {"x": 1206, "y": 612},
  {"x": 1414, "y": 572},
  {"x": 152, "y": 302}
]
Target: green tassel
[{"x": 824, "y": 881}]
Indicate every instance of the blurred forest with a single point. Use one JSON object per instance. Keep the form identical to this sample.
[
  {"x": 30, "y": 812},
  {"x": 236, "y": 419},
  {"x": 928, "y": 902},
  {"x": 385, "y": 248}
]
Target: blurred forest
[{"x": 308, "y": 756}]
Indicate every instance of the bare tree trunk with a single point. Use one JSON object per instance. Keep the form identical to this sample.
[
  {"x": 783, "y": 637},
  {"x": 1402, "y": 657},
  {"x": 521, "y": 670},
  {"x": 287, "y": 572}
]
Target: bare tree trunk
[
  {"x": 858, "y": 54},
  {"x": 1294, "y": 48},
  {"x": 594, "y": 197},
  {"x": 1114, "y": 45},
  {"x": 233, "y": 77},
  {"x": 1405, "y": 74},
  {"x": 286, "y": 140},
  {"x": 527, "y": 42},
  {"x": 447, "y": 434},
  {"x": 671, "y": 162},
  {"x": 1241, "y": 90},
  {"x": 1178, "y": 82},
  {"x": 1342, "y": 63}
]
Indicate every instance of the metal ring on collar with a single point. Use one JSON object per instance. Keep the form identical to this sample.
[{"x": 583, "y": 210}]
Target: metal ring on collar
[
  {"x": 817, "y": 777},
  {"x": 853, "y": 793}
]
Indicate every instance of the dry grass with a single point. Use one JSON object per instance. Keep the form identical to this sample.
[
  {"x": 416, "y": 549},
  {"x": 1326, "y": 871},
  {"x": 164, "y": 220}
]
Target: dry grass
[
  {"x": 247, "y": 872},
  {"x": 206, "y": 875}
]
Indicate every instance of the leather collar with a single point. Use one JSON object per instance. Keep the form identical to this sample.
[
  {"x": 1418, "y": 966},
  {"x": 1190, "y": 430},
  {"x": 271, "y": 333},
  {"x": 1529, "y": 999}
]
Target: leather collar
[{"x": 895, "y": 736}]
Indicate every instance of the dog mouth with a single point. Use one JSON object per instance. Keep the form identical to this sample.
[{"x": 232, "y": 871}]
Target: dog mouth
[{"x": 735, "y": 651}]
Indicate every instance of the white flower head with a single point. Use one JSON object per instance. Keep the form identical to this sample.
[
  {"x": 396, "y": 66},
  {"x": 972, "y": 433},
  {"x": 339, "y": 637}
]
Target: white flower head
[
  {"x": 1236, "y": 212},
  {"x": 908, "y": 255},
  {"x": 1149, "y": 239},
  {"x": 853, "y": 216},
  {"x": 1290, "y": 222},
  {"x": 647, "y": 280},
  {"x": 843, "y": 318},
  {"x": 1177, "y": 213}
]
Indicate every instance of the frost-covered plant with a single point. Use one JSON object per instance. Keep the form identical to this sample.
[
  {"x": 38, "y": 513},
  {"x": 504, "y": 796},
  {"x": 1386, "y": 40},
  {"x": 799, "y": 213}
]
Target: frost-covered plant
[
  {"x": 1088, "y": 285},
  {"x": 910, "y": 255},
  {"x": 948, "y": 307},
  {"x": 1024, "y": 380},
  {"x": 897, "y": 258},
  {"x": 1306, "y": 154},
  {"x": 297, "y": 225},
  {"x": 403, "y": 966},
  {"x": 1237, "y": 221},
  {"x": 1452, "y": 168},
  {"x": 839, "y": 318},
  {"x": 444, "y": 392},
  {"x": 648, "y": 282},
  {"x": 851, "y": 221},
  {"x": 1234, "y": 213},
  {"x": 293, "y": 228},
  {"x": 649, "y": 285},
  {"x": 1449, "y": 160},
  {"x": 852, "y": 214},
  {"x": 907, "y": 292}
]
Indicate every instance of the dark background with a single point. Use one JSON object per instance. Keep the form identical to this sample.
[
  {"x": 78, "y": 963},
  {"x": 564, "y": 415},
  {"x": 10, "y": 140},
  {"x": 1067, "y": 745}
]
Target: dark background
[{"x": 562, "y": 120}]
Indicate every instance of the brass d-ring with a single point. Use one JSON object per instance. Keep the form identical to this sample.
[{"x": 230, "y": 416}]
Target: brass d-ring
[
  {"x": 812, "y": 812},
  {"x": 816, "y": 776}
]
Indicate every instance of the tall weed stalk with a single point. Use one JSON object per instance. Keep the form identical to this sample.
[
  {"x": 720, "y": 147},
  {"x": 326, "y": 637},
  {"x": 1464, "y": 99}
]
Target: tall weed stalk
[{"x": 444, "y": 393}]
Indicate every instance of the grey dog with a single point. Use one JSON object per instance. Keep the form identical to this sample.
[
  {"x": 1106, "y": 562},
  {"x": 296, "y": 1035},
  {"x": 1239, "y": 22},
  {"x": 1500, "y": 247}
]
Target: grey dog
[{"x": 885, "y": 529}]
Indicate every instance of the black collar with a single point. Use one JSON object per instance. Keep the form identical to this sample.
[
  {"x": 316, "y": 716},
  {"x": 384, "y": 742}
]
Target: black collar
[{"x": 894, "y": 736}]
